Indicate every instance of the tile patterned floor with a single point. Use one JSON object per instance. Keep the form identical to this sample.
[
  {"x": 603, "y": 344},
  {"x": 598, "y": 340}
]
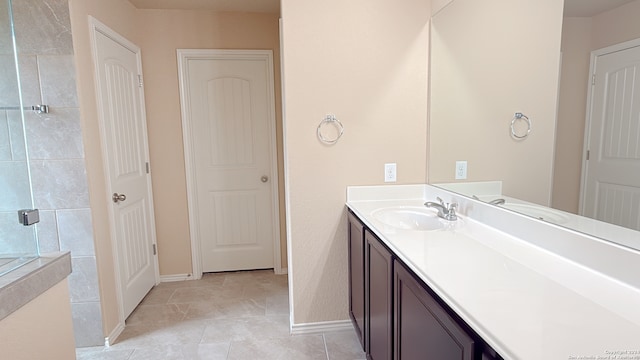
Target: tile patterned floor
[{"x": 232, "y": 316}]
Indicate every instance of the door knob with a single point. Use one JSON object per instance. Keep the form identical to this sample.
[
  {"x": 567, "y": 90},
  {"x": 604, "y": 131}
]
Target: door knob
[
  {"x": 264, "y": 178},
  {"x": 118, "y": 197}
]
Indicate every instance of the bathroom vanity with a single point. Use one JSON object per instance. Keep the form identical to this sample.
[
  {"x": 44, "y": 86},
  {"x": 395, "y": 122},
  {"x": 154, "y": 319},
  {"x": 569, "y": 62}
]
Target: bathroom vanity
[{"x": 491, "y": 285}]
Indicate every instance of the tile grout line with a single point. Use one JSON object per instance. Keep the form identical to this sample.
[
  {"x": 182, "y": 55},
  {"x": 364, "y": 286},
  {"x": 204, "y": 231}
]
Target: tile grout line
[
  {"x": 326, "y": 349},
  {"x": 131, "y": 353},
  {"x": 228, "y": 350}
]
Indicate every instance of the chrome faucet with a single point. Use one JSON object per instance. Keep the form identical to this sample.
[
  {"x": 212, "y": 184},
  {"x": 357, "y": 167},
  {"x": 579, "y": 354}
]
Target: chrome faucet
[
  {"x": 492, "y": 202},
  {"x": 445, "y": 210}
]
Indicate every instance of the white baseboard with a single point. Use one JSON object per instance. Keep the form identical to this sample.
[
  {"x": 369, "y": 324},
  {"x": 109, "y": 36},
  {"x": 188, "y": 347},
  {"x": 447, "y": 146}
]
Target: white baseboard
[
  {"x": 109, "y": 340},
  {"x": 183, "y": 277},
  {"x": 321, "y": 327},
  {"x": 176, "y": 277}
]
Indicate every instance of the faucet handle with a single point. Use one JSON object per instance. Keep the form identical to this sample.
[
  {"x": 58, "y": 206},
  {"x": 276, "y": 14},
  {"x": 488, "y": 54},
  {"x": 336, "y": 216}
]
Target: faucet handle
[
  {"x": 448, "y": 206},
  {"x": 451, "y": 214}
]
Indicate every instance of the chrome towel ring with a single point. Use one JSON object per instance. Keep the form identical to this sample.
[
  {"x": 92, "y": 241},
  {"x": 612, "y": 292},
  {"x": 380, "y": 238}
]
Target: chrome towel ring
[
  {"x": 330, "y": 120},
  {"x": 520, "y": 117}
]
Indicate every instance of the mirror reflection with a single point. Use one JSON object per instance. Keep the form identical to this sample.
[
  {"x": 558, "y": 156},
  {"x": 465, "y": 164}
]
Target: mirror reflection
[{"x": 493, "y": 59}]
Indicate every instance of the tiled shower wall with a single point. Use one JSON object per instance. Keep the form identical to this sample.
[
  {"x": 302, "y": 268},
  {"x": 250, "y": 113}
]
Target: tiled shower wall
[{"x": 54, "y": 143}]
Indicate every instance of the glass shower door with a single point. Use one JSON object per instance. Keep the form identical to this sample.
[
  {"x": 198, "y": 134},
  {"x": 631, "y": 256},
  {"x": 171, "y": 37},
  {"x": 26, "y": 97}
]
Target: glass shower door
[{"x": 18, "y": 242}]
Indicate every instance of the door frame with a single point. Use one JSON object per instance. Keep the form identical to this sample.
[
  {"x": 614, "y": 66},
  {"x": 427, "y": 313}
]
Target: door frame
[
  {"x": 95, "y": 26},
  {"x": 184, "y": 55},
  {"x": 588, "y": 121}
]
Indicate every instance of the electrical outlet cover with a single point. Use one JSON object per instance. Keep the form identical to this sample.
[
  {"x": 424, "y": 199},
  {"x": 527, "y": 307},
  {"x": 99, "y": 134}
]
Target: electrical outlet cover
[
  {"x": 461, "y": 170},
  {"x": 390, "y": 172}
]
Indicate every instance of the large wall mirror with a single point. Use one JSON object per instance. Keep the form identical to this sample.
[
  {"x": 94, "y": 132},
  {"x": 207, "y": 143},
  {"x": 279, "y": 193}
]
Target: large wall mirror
[{"x": 492, "y": 59}]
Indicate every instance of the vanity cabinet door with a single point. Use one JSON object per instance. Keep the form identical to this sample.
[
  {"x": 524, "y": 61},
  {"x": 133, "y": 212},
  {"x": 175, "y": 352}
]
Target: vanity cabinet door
[
  {"x": 379, "y": 297},
  {"x": 423, "y": 329},
  {"x": 356, "y": 276}
]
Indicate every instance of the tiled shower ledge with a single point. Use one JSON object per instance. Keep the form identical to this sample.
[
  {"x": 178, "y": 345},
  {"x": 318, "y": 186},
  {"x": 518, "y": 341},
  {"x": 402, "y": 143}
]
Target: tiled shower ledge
[{"x": 24, "y": 284}]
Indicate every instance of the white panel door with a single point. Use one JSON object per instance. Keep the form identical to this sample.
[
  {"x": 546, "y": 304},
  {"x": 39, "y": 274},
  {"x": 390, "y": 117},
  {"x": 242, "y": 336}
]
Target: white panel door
[
  {"x": 612, "y": 177},
  {"x": 230, "y": 111},
  {"x": 125, "y": 143}
]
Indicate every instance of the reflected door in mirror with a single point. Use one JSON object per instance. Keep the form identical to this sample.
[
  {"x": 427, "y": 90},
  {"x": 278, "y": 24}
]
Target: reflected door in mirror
[{"x": 612, "y": 174}]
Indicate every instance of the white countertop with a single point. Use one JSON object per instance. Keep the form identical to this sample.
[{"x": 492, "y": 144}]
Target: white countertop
[{"x": 523, "y": 300}]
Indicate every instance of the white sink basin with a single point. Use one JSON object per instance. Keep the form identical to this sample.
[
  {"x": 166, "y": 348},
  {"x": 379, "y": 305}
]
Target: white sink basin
[
  {"x": 538, "y": 212},
  {"x": 408, "y": 218}
]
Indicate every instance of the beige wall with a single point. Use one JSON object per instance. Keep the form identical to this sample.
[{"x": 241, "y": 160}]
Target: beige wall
[
  {"x": 616, "y": 26},
  {"x": 491, "y": 59},
  {"x": 41, "y": 329},
  {"x": 580, "y": 37},
  {"x": 366, "y": 62},
  {"x": 164, "y": 32},
  {"x": 120, "y": 16},
  {"x": 576, "y": 46}
]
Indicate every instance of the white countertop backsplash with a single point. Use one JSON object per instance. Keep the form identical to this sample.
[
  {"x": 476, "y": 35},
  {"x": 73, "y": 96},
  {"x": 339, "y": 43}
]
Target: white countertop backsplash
[
  {"x": 531, "y": 289},
  {"x": 491, "y": 190}
]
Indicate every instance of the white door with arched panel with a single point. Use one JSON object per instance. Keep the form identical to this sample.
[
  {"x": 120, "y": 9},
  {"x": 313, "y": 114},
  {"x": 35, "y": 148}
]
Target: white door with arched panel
[
  {"x": 123, "y": 134},
  {"x": 611, "y": 176},
  {"x": 228, "y": 110}
]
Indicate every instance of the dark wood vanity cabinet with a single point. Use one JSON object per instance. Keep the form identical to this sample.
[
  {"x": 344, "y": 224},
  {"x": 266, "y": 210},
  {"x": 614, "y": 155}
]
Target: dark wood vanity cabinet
[
  {"x": 423, "y": 329},
  {"x": 395, "y": 314},
  {"x": 370, "y": 290},
  {"x": 356, "y": 276},
  {"x": 378, "y": 298}
]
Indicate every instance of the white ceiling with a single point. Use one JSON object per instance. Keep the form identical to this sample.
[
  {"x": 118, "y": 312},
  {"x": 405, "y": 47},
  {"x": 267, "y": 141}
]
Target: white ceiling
[
  {"x": 589, "y": 8},
  {"x": 263, "y": 6}
]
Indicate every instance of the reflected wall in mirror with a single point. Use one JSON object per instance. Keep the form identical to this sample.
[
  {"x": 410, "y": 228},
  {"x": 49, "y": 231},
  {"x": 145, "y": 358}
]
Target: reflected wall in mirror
[
  {"x": 493, "y": 58},
  {"x": 489, "y": 60}
]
